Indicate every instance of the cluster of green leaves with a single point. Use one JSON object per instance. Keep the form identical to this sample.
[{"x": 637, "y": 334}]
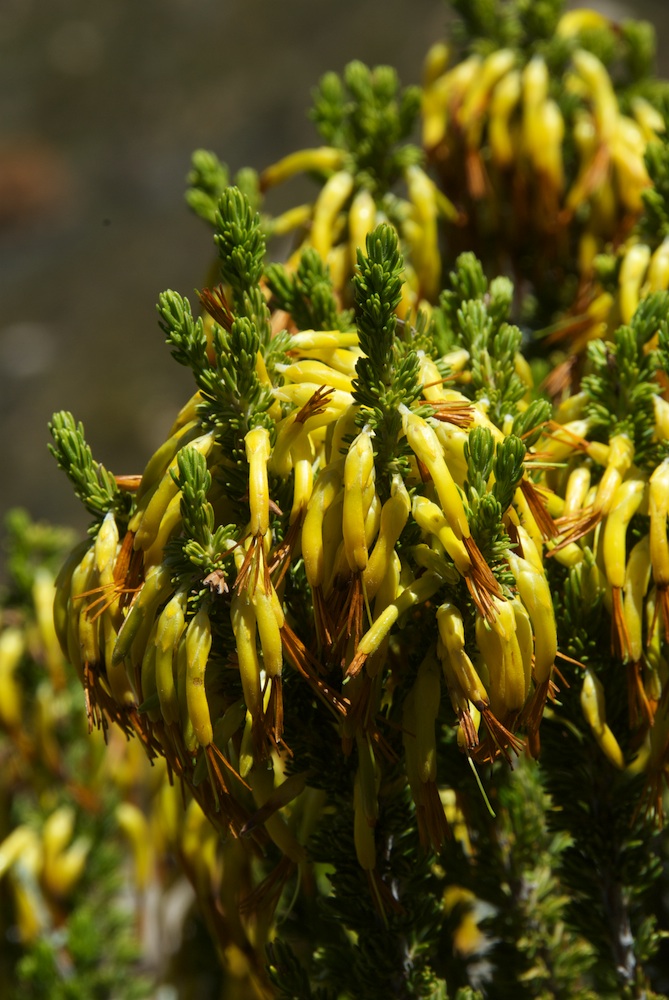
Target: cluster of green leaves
[
  {"x": 241, "y": 250},
  {"x": 654, "y": 223},
  {"x": 308, "y": 294},
  {"x": 487, "y": 506},
  {"x": 202, "y": 546},
  {"x": 387, "y": 371},
  {"x": 473, "y": 314},
  {"x": 93, "y": 485},
  {"x": 486, "y": 25},
  {"x": 368, "y": 115},
  {"x": 620, "y": 383},
  {"x": 208, "y": 178},
  {"x": 234, "y": 399}
]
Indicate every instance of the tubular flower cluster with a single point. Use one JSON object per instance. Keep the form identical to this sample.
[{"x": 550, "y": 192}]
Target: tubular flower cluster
[{"x": 362, "y": 512}]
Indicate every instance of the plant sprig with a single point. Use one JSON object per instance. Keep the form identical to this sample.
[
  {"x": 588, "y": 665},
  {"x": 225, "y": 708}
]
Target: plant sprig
[
  {"x": 366, "y": 113},
  {"x": 93, "y": 485},
  {"x": 387, "y": 373}
]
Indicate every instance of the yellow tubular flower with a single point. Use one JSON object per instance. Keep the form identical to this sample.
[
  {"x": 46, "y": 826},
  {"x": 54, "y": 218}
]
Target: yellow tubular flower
[
  {"x": 658, "y": 507},
  {"x": 620, "y": 458},
  {"x": 62, "y": 605},
  {"x": 171, "y": 624},
  {"x": 300, "y": 393},
  {"x": 425, "y": 257},
  {"x": 147, "y": 674},
  {"x": 593, "y": 704},
  {"x": 418, "y": 592},
  {"x": 626, "y": 501},
  {"x": 244, "y": 626},
  {"x": 390, "y": 588},
  {"x": 443, "y": 95},
  {"x": 316, "y": 372},
  {"x": 106, "y": 550},
  {"x": 293, "y": 218},
  {"x": 576, "y": 490},
  {"x": 198, "y": 645},
  {"x": 632, "y": 273},
  {"x": 188, "y": 736},
  {"x": 305, "y": 341},
  {"x": 159, "y": 462},
  {"x": 600, "y": 92},
  {"x": 270, "y": 620},
  {"x": 505, "y": 98},
  {"x": 431, "y": 519},
  {"x": 57, "y": 831},
  {"x": 627, "y": 153},
  {"x": 658, "y": 269},
  {"x": 84, "y": 579},
  {"x": 548, "y": 134},
  {"x": 535, "y": 92},
  {"x": 394, "y": 515},
  {"x": 287, "y": 432},
  {"x": 359, "y": 476},
  {"x": 156, "y": 588},
  {"x": 120, "y": 684},
  {"x": 511, "y": 683},
  {"x": 257, "y": 455},
  {"x": 573, "y": 22},
  {"x": 455, "y": 660},
  {"x": 147, "y": 524},
  {"x": 525, "y": 638},
  {"x": 535, "y": 594},
  {"x": 425, "y": 445},
  {"x": 12, "y": 648},
  {"x": 435, "y": 62},
  {"x": 323, "y": 158},
  {"x": 170, "y": 522},
  {"x": 333, "y": 197},
  {"x": 61, "y": 876},
  {"x": 133, "y": 823},
  {"x": 661, "y": 407},
  {"x": 470, "y": 115},
  {"x": 361, "y": 221},
  {"x": 637, "y": 578},
  {"x": 327, "y": 486}
]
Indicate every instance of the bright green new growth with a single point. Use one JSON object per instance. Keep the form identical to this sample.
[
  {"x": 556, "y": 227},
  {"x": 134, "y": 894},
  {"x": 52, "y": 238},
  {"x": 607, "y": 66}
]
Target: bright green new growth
[
  {"x": 473, "y": 314},
  {"x": 93, "y": 485},
  {"x": 387, "y": 373},
  {"x": 202, "y": 545},
  {"x": 367, "y": 115},
  {"x": 308, "y": 294},
  {"x": 208, "y": 179},
  {"x": 486, "y": 506},
  {"x": 621, "y": 384}
]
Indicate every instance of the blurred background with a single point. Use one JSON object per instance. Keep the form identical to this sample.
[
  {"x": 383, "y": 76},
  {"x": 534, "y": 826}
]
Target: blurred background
[{"x": 101, "y": 105}]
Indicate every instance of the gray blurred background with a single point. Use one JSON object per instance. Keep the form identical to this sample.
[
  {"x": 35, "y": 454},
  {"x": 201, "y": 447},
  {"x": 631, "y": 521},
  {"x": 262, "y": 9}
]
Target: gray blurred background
[{"x": 101, "y": 104}]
